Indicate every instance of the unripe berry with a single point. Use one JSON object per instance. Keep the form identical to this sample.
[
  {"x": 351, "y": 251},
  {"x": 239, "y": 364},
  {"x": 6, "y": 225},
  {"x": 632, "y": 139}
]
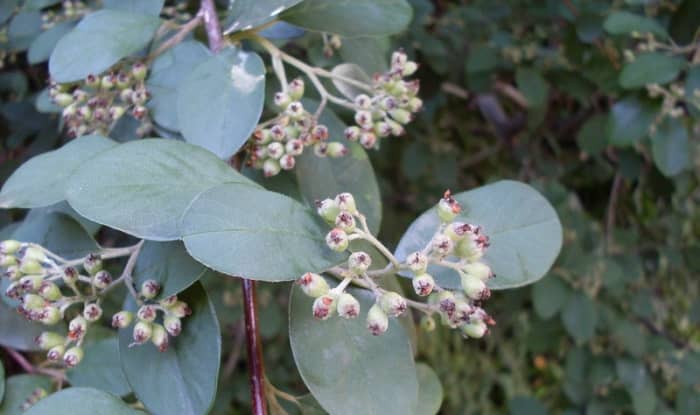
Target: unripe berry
[
  {"x": 49, "y": 291},
  {"x": 363, "y": 101},
  {"x": 30, "y": 266},
  {"x": 287, "y": 162},
  {"x": 346, "y": 202},
  {"x": 123, "y": 80},
  {"x": 180, "y": 309},
  {"x": 319, "y": 132},
  {"x": 102, "y": 279},
  {"x": 150, "y": 289},
  {"x": 336, "y": 149},
  {"x": 92, "y": 81},
  {"x": 359, "y": 262},
  {"x": 282, "y": 100},
  {"x": 92, "y": 312},
  {"x": 173, "y": 325},
  {"x": 32, "y": 253},
  {"x": 277, "y": 132},
  {"x": 441, "y": 246},
  {"x": 392, "y": 303},
  {"x": 409, "y": 68},
  {"x": 417, "y": 262},
  {"x": 126, "y": 95},
  {"x": 146, "y": 313},
  {"x": 398, "y": 59},
  {"x": 296, "y": 89},
  {"x": 337, "y": 240},
  {"x": 63, "y": 99},
  {"x": 446, "y": 302},
  {"x": 328, "y": 209},
  {"x": 56, "y": 353},
  {"x": 168, "y": 301},
  {"x": 31, "y": 282},
  {"x": 73, "y": 356},
  {"x": 377, "y": 320},
  {"x": 116, "y": 112},
  {"x": 107, "y": 82},
  {"x": 423, "y": 284},
  {"x": 271, "y": 167},
  {"x": 7, "y": 261},
  {"x": 313, "y": 285},
  {"x": 32, "y": 302},
  {"x": 122, "y": 319},
  {"x": 457, "y": 230},
  {"x": 262, "y": 136},
  {"x": 294, "y": 147},
  {"x": 9, "y": 247},
  {"x": 48, "y": 339},
  {"x": 295, "y": 110},
  {"x": 352, "y": 133},
  {"x": 275, "y": 150},
  {"x": 139, "y": 71},
  {"x": 13, "y": 290},
  {"x": 474, "y": 288},
  {"x": 479, "y": 270},
  {"x": 323, "y": 306},
  {"x": 292, "y": 132},
  {"x": 77, "y": 328},
  {"x": 427, "y": 323},
  {"x": 469, "y": 249},
  {"x": 345, "y": 221},
  {"x": 396, "y": 128},
  {"x": 400, "y": 115},
  {"x": 50, "y": 315},
  {"x": 142, "y": 332},
  {"x": 364, "y": 119},
  {"x": 448, "y": 208},
  {"x": 461, "y": 314},
  {"x": 368, "y": 140},
  {"x": 139, "y": 112},
  {"x": 348, "y": 306},
  {"x": 415, "y": 104},
  {"x": 475, "y": 330},
  {"x": 92, "y": 264},
  {"x": 321, "y": 149},
  {"x": 382, "y": 129},
  {"x": 70, "y": 275},
  {"x": 159, "y": 337}
]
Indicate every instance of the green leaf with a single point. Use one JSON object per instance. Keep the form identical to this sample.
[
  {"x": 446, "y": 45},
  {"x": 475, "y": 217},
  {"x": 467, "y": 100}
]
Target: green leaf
[
  {"x": 533, "y": 86},
  {"x": 81, "y": 401},
  {"x": 181, "y": 380},
  {"x": 2, "y": 381},
  {"x": 651, "y": 68},
  {"x": 580, "y": 317},
  {"x": 549, "y": 295},
  {"x": 321, "y": 178},
  {"x": 39, "y": 4},
  {"x": 523, "y": 405},
  {"x": 670, "y": 147},
  {"x": 220, "y": 102},
  {"x": 23, "y": 29},
  {"x": 348, "y": 370},
  {"x": 41, "y": 48},
  {"x": 624, "y": 23},
  {"x": 591, "y": 137},
  {"x": 168, "y": 71},
  {"x": 7, "y": 8},
  {"x": 18, "y": 388},
  {"x": 99, "y": 41},
  {"x": 143, "y": 187},
  {"x": 639, "y": 385},
  {"x": 42, "y": 180},
  {"x": 247, "y": 14},
  {"x": 58, "y": 233},
  {"x": 351, "y": 17},
  {"x": 229, "y": 227},
  {"x": 629, "y": 121},
  {"x": 149, "y": 7},
  {"x": 524, "y": 229},
  {"x": 430, "y": 393},
  {"x": 169, "y": 264},
  {"x": 16, "y": 331},
  {"x": 352, "y": 71},
  {"x": 101, "y": 368},
  {"x": 371, "y": 53}
]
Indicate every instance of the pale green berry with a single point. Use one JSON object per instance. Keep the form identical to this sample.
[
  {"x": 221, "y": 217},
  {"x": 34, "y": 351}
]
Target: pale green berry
[
  {"x": 296, "y": 89},
  {"x": 168, "y": 301},
  {"x": 348, "y": 307},
  {"x": 50, "y": 291},
  {"x": 328, "y": 209},
  {"x": 70, "y": 275},
  {"x": 143, "y": 331},
  {"x": 417, "y": 262},
  {"x": 427, "y": 323},
  {"x": 359, "y": 262},
  {"x": 468, "y": 249},
  {"x": 461, "y": 314},
  {"x": 92, "y": 81},
  {"x": 336, "y": 149},
  {"x": 13, "y": 290},
  {"x": 31, "y": 282},
  {"x": 409, "y": 68},
  {"x": 345, "y": 221},
  {"x": 400, "y": 115},
  {"x": 364, "y": 119},
  {"x": 102, "y": 279},
  {"x": 346, "y": 202},
  {"x": 474, "y": 288},
  {"x": 77, "y": 328},
  {"x": 479, "y": 270},
  {"x": 282, "y": 100},
  {"x": 321, "y": 149},
  {"x": 287, "y": 162},
  {"x": 415, "y": 104},
  {"x": 446, "y": 301},
  {"x": 9, "y": 247},
  {"x": 56, "y": 353},
  {"x": 319, "y": 133},
  {"x": 278, "y": 132},
  {"x": 475, "y": 330},
  {"x": 295, "y": 110},
  {"x": 271, "y": 167},
  {"x": 313, "y": 285},
  {"x": 398, "y": 59},
  {"x": 30, "y": 266},
  {"x": 122, "y": 319},
  {"x": 34, "y": 253},
  {"x": 107, "y": 82},
  {"x": 7, "y": 261},
  {"x": 275, "y": 150},
  {"x": 396, "y": 128},
  {"x": 32, "y": 302},
  {"x": 150, "y": 289},
  {"x": 146, "y": 313},
  {"x": 73, "y": 356},
  {"x": 448, "y": 208},
  {"x": 92, "y": 312},
  {"x": 294, "y": 147},
  {"x": 392, "y": 303},
  {"x": 180, "y": 309},
  {"x": 50, "y": 315},
  {"x": 116, "y": 112},
  {"x": 457, "y": 230},
  {"x": 337, "y": 240},
  {"x": 368, "y": 140},
  {"x": 377, "y": 320},
  {"x": 352, "y": 133},
  {"x": 63, "y": 99},
  {"x": 92, "y": 264},
  {"x": 173, "y": 325},
  {"x": 261, "y": 137},
  {"x": 423, "y": 284},
  {"x": 441, "y": 246},
  {"x": 363, "y": 101},
  {"x": 48, "y": 339},
  {"x": 139, "y": 71},
  {"x": 159, "y": 337},
  {"x": 324, "y": 306}
]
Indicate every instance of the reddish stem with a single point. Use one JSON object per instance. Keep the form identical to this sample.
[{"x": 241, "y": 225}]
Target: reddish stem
[
  {"x": 254, "y": 346},
  {"x": 20, "y": 359},
  {"x": 211, "y": 23}
]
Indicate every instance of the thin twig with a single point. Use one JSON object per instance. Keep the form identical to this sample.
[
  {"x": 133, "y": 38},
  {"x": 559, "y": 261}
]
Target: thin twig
[
  {"x": 611, "y": 210},
  {"x": 177, "y": 37},
  {"x": 212, "y": 25},
  {"x": 235, "y": 355}
]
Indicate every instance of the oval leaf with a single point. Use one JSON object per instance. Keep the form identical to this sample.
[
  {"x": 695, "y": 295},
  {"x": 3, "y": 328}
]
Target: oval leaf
[
  {"x": 81, "y": 401},
  {"x": 43, "y": 45},
  {"x": 352, "y": 71},
  {"x": 18, "y": 388},
  {"x": 169, "y": 264},
  {"x": 651, "y": 68},
  {"x": 580, "y": 317},
  {"x": 430, "y": 391},
  {"x": 181, "y": 380},
  {"x": 346, "y": 368},
  {"x": 247, "y": 14},
  {"x": 622, "y": 22},
  {"x": 143, "y": 187},
  {"x": 42, "y": 180},
  {"x": 525, "y": 233},
  {"x": 100, "y": 368},
  {"x": 629, "y": 121},
  {"x": 99, "y": 41},
  {"x": 670, "y": 147},
  {"x": 549, "y": 295},
  {"x": 245, "y": 231},
  {"x": 220, "y": 102}
]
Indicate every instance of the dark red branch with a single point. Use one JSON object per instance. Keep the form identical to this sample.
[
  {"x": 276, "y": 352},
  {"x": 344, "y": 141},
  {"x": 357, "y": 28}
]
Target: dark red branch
[{"x": 212, "y": 25}]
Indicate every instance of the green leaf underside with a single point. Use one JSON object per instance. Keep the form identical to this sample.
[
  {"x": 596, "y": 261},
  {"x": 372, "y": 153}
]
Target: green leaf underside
[
  {"x": 247, "y": 14},
  {"x": 220, "y": 102},
  {"x": 430, "y": 393},
  {"x": 245, "y": 231},
  {"x": 81, "y": 401},
  {"x": 183, "y": 379},
  {"x": 143, "y": 187},
  {"x": 101, "y": 368},
  {"x": 99, "y": 41},
  {"x": 18, "y": 388},
  {"x": 651, "y": 68},
  {"x": 523, "y": 227},
  {"x": 348, "y": 370},
  {"x": 41, "y": 48},
  {"x": 629, "y": 121},
  {"x": 169, "y": 264},
  {"x": 670, "y": 147},
  {"x": 42, "y": 180}
]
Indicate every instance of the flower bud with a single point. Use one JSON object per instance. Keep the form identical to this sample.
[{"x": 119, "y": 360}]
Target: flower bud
[
  {"x": 49, "y": 339},
  {"x": 368, "y": 140},
  {"x": 441, "y": 246},
  {"x": 122, "y": 319},
  {"x": 287, "y": 162},
  {"x": 139, "y": 112},
  {"x": 352, "y": 133},
  {"x": 363, "y": 101},
  {"x": 336, "y": 149},
  {"x": 461, "y": 314},
  {"x": 346, "y": 202},
  {"x": 146, "y": 313},
  {"x": 127, "y": 95},
  {"x": 400, "y": 115},
  {"x": 294, "y": 147},
  {"x": 77, "y": 328},
  {"x": 282, "y": 100},
  {"x": 123, "y": 80},
  {"x": 180, "y": 309},
  {"x": 168, "y": 301},
  {"x": 13, "y": 290},
  {"x": 345, "y": 221},
  {"x": 396, "y": 128},
  {"x": 92, "y": 312},
  {"x": 92, "y": 81},
  {"x": 9, "y": 247},
  {"x": 457, "y": 230},
  {"x": 382, "y": 129},
  {"x": 159, "y": 337},
  {"x": 73, "y": 356},
  {"x": 32, "y": 302},
  {"x": 468, "y": 248},
  {"x": 427, "y": 323},
  {"x": 446, "y": 302},
  {"x": 348, "y": 306},
  {"x": 475, "y": 330},
  {"x": 359, "y": 262},
  {"x": 479, "y": 270},
  {"x": 55, "y": 353},
  {"x": 50, "y": 315},
  {"x": 296, "y": 89},
  {"x": 31, "y": 282},
  {"x": 448, "y": 208},
  {"x": 415, "y": 104},
  {"x": 7, "y": 261},
  {"x": 323, "y": 306},
  {"x": 377, "y": 320},
  {"x": 319, "y": 132},
  {"x": 102, "y": 279},
  {"x": 392, "y": 303},
  {"x": 92, "y": 264},
  {"x": 271, "y": 167},
  {"x": 423, "y": 284},
  {"x": 275, "y": 150},
  {"x": 173, "y": 325},
  {"x": 116, "y": 112},
  {"x": 337, "y": 240},
  {"x": 30, "y": 266},
  {"x": 313, "y": 285},
  {"x": 409, "y": 68},
  {"x": 364, "y": 119},
  {"x": 328, "y": 209},
  {"x": 474, "y": 288},
  {"x": 150, "y": 289},
  {"x": 139, "y": 71},
  {"x": 108, "y": 82},
  {"x": 70, "y": 275},
  {"x": 49, "y": 291},
  {"x": 142, "y": 332},
  {"x": 295, "y": 110},
  {"x": 398, "y": 59},
  {"x": 277, "y": 132},
  {"x": 417, "y": 262},
  {"x": 321, "y": 149},
  {"x": 63, "y": 99}
]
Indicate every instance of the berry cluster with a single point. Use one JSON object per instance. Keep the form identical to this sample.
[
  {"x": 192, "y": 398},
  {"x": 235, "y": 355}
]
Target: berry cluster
[
  {"x": 147, "y": 327},
  {"x": 274, "y": 148},
  {"x": 456, "y": 245},
  {"x": 70, "y": 10},
  {"x": 95, "y": 104},
  {"x": 391, "y": 106}
]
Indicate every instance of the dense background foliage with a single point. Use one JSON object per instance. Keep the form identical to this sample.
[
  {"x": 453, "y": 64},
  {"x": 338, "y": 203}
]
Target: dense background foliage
[{"x": 573, "y": 97}]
